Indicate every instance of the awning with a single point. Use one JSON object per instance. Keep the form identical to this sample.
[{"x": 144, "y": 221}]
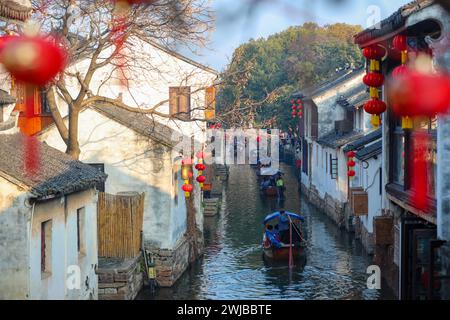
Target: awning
[{"x": 278, "y": 214}]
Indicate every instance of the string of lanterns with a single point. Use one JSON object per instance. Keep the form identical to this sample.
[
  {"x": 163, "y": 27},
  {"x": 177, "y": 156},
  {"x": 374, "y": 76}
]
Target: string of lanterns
[
  {"x": 297, "y": 108},
  {"x": 186, "y": 175},
  {"x": 200, "y": 166},
  {"x": 399, "y": 43},
  {"x": 351, "y": 164},
  {"x": 374, "y": 80}
]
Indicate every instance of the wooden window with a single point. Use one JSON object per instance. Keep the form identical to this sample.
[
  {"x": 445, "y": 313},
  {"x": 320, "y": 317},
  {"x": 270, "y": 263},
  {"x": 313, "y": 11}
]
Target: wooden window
[
  {"x": 81, "y": 231},
  {"x": 46, "y": 246},
  {"x": 45, "y": 107},
  {"x": 180, "y": 102}
]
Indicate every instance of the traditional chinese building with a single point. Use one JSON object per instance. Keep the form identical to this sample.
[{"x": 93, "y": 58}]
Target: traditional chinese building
[{"x": 410, "y": 242}]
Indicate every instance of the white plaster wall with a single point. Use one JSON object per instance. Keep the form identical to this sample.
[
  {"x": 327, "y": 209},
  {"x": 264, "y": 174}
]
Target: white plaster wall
[
  {"x": 321, "y": 179},
  {"x": 370, "y": 180},
  {"x": 62, "y": 212},
  {"x": 329, "y": 111},
  {"x": 151, "y": 72},
  {"x": 14, "y": 245},
  {"x": 133, "y": 163}
]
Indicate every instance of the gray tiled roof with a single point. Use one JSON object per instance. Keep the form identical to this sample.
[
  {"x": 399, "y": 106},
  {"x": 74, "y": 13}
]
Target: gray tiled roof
[
  {"x": 58, "y": 174},
  {"x": 369, "y": 151},
  {"x": 336, "y": 140},
  {"x": 393, "y": 23},
  {"x": 138, "y": 122},
  {"x": 361, "y": 142}
]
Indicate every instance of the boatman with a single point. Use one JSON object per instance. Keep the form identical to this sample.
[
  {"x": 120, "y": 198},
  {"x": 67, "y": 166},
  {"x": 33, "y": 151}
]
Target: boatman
[{"x": 283, "y": 226}]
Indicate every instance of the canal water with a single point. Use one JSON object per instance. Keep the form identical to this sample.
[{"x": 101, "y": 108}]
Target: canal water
[{"x": 233, "y": 267}]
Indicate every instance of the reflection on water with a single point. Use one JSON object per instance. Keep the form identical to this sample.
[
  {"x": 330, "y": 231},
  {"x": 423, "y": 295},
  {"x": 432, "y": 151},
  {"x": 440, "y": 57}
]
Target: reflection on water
[{"x": 233, "y": 268}]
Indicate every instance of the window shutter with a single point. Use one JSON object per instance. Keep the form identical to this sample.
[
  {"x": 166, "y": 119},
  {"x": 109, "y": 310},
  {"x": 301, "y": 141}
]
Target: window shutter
[
  {"x": 173, "y": 101},
  {"x": 184, "y": 101},
  {"x": 210, "y": 103}
]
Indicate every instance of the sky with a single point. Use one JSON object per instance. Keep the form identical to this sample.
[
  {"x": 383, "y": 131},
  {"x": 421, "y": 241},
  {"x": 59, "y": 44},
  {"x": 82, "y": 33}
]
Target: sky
[{"x": 236, "y": 24}]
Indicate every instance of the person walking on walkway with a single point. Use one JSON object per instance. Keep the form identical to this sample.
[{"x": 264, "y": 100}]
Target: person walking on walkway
[{"x": 280, "y": 187}]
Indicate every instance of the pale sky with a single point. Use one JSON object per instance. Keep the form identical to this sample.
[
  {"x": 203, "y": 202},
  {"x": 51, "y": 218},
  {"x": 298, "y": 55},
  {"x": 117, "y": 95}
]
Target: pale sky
[{"x": 236, "y": 25}]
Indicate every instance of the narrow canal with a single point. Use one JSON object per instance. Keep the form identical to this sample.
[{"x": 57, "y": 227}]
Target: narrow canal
[{"x": 233, "y": 268}]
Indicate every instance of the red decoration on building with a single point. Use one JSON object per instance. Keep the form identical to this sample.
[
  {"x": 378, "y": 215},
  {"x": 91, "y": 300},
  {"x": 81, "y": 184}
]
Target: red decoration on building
[
  {"x": 187, "y": 187},
  {"x": 351, "y": 173},
  {"x": 419, "y": 179},
  {"x": 373, "y": 79},
  {"x": 419, "y": 94},
  {"x": 374, "y": 52},
  {"x": 400, "y": 42},
  {"x": 33, "y": 60},
  {"x": 200, "y": 167},
  {"x": 351, "y": 154},
  {"x": 201, "y": 179},
  {"x": 351, "y": 163}
]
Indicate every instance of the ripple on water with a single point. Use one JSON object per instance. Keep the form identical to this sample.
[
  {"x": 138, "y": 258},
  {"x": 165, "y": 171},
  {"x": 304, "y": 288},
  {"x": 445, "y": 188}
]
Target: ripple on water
[{"x": 233, "y": 268}]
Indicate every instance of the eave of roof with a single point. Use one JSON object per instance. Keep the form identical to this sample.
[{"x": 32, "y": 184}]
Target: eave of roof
[
  {"x": 391, "y": 25},
  {"x": 366, "y": 139},
  {"x": 370, "y": 151},
  {"x": 336, "y": 140}
]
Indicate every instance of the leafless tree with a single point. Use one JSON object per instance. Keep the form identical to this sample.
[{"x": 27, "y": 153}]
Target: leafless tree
[{"x": 99, "y": 32}]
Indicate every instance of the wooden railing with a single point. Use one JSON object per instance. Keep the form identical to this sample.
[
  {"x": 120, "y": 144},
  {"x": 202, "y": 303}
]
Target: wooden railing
[{"x": 120, "y": 219}]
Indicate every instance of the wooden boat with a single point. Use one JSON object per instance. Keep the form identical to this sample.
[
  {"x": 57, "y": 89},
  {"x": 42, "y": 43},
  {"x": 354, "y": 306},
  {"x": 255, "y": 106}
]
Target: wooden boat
[
  {"x": 282, "y": 253},
  {"x": 274, "y": 249}
]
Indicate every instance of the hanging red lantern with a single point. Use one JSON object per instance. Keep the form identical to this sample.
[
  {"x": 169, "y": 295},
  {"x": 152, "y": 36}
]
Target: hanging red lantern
[
  {"x": 201, "y": 179},
  {"x": 420, "y": 94},
  {"x": 375, "y": 107},
  {"x": 374, "y": 52},
  {"x": 400, "y": 42},
  {"x": 351, "y": 163},
  {"x": 187, "y": 161},
  {"x": 33, "y": 60},
  {"x": 294, "y": 114},
  {"x": 187, "y": 187},
  {"x": 351, "y": 173},
  {"x": 351, "y": 154},
  {"x": 373, "y": 79},
  {"x": 399, "y": 71},
  {"x": 200, "y": 167}
]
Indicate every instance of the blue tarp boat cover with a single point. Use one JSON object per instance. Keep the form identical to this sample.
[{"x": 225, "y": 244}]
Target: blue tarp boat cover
[{"x": 278, "y": 214}]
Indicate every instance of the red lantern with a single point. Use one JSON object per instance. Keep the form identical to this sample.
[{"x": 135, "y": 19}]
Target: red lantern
[
  {"x": 375, "y": 107},
  {"x": 294, "y": 114},
  {"x": 351, "y": 173},
  {"x": 200, "y": 167},
  {"x": 200, "y": 155},
  {"x": 374, "y": 52},
  {"x": 419, "y": 94},
  {"x": 351, "y": 154},
  {"x": 399, "y": 71},
  {"x": 33, "y": 60},
  {"x": 373, "y": 79},
  {"x": 400, "y": 43},
  {"x": 187, "y": 187},
  {"x": 201, "y": 179},
  {"x": 351, "y": 163},
  {"x": 187, "y": 161}
]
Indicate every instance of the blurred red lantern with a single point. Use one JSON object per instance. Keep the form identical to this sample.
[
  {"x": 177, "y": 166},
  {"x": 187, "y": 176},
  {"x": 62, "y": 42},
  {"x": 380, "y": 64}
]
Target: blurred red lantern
[
  {"x": 200, "y": 155},
  {"x": 187, "y": 187},
  {"x": 373, "y": 79},
  {"x": 420, "y": 94},
  {"x": 351, "y": 173},
  {"x": 374, "y": 52},
  {"x": 4, "y": 40},
  {"x": 187, "y": 161},
  {"x": 200, "y": 167},
  {"x": 400, "y": 42},
  {"x": 399, "y": 71},
  {"x": 351, "y": 163},
  {"x": 294, "y": 114},
  {"x": 33, "y": 60},
  {"x": 201, "y": 179},
  {"x": 351, "y": 154}
]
